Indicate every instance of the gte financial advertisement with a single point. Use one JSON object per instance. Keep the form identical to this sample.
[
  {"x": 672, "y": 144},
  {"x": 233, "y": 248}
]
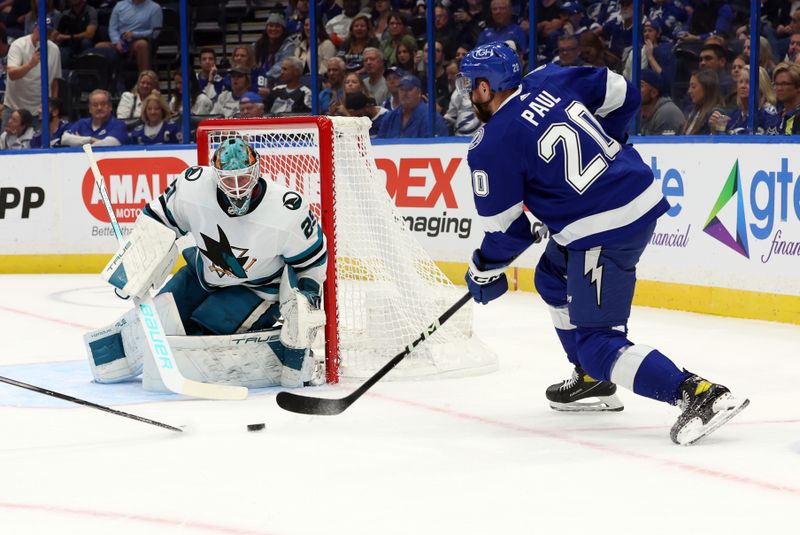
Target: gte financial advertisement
[{"x": 734, "y": 221}]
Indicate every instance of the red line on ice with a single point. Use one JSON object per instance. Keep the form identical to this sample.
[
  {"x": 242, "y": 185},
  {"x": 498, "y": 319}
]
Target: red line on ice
[
  {"x": 199, "y": 526},
  {"x": 40, "y": 317},
  {"x": 556, "y": 435}
]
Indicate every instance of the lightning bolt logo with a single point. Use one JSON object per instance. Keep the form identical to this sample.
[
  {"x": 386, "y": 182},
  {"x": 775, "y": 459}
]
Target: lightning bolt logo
[{"x": 592, "y": 267}]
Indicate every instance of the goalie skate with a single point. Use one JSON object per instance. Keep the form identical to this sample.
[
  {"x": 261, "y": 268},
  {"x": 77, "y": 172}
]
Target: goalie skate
[
  {"x": 705, "y": 407},
  {"x": 582, "y": 393}
]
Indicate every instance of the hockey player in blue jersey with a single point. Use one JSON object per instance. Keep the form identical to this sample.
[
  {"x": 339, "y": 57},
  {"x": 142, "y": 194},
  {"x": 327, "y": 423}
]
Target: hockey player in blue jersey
[{"x": 554, "y": 142}]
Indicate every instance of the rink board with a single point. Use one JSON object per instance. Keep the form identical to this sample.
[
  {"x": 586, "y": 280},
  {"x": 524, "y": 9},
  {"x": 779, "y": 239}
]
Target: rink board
[{"x": 730, "y": 244}]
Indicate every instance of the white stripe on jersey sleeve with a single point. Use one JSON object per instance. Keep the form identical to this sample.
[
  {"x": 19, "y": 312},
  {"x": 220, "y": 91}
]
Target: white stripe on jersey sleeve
[
  {"x": 616, "y": 91},
  {"x": 611, "y": 219},
  {"x": 500, "y": 222}
]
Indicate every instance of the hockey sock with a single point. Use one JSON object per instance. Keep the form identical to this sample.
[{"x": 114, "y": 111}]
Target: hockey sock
[
  {"x": 649, "y": 373},
  {"x": 570, "y": 344}
]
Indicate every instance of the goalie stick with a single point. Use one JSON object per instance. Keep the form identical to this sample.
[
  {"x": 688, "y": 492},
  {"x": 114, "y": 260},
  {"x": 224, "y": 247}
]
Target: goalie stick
[
  {"x": 323, "y": 406},
  {"x": 85, "y": 403},
  {"x": 154, "y": 332}
]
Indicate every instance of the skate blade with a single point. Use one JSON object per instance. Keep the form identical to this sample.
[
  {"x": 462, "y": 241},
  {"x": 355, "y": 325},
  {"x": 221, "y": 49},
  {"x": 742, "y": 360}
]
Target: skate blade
[
  {"x": 694, "y": 430},
  {"x": 603, "y": 404}
]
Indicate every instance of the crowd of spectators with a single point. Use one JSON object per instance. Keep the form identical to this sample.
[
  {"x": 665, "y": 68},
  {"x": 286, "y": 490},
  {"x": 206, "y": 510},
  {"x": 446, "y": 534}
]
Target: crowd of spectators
[{"x": 372, "y": 61}]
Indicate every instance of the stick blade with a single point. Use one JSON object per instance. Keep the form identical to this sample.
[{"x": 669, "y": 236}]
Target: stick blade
[
  {"x": 212, "y": 391},
  {"x": 291, "y": 402}
]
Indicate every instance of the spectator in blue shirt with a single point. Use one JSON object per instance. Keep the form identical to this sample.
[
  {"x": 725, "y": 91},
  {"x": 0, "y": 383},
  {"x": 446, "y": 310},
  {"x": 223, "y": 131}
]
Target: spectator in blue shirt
[
  {"x": 132, "y": 28},
  {"x": 410, "y": 119},
  {"x": 502, "y": 28},
  {"x": 101, "y": 129},
  {"x": 155, "y": 128}
]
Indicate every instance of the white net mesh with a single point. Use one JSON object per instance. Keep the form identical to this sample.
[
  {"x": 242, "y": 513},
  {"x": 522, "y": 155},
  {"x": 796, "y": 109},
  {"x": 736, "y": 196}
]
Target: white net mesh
[{"x": 388, "y": 288}]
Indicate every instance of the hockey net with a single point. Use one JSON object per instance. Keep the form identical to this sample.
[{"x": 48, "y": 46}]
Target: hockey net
[{"x": 382, "y": 288}]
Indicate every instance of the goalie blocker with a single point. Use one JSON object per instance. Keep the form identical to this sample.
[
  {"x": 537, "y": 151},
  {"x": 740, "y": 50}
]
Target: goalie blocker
[{"x": 120, "y": 353}]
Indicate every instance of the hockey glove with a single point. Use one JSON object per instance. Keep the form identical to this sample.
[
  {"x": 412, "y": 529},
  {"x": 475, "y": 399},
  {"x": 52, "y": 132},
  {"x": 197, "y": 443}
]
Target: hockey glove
[{"x": 486, "y": 281}]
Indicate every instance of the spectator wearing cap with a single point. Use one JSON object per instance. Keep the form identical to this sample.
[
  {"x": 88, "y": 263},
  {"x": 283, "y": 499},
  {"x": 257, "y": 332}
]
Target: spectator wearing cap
[
  {"x": 18, "y": 131},
  {"x": 411, "y": 118},
  {"x": 656, "y": 53},
  {"x": 291, "y": 96},
  {"x": 660, "y": 115},
  {"x": 715, "y": 57},
  {"x": 132, "y": 29},
  {"x": 570, "y": 23},
  {"x": 398, "y": 34},
  {"x": 502, "y": 27},
  {"x": 155, "y": 127},
  {"x": 339, "y": 26},
  {"x": 334, "y": 93},
  {"x": 251, "y": 105},
  {"x": 101, "y": 128},
  {"x": 373, "y": 68},
  {"x": 392, "y": 75},
  {"x": 58, "y": 124},
  {"x": 227, "y": 103},
  {"x": 271, "y": 49},
  {"x": 359, "y": 38},
  {"x": 76, "y": 30},
  {"x": 23, "y": 85}
]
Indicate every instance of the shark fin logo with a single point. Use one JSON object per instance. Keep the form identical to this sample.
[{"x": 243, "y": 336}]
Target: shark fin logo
[
  {"x": 714, "y": 226},
  {"x": 223, "y": 256}
]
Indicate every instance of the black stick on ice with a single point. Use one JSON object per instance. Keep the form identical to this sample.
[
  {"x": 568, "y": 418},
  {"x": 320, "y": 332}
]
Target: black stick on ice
[
  {"x": 322, "y": 406},
  {"x": 79, "y": 401}
]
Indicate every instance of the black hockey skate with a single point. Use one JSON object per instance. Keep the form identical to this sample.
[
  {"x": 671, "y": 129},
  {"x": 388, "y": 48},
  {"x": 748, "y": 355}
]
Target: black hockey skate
[
  {"x": 572, "y": 394},
  {"x": 705, "y": 406}
]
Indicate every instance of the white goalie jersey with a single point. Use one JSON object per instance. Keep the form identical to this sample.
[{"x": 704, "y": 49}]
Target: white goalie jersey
[{"x": 252, "y": 249}]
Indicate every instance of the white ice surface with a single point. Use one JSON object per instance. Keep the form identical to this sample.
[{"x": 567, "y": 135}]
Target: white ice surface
[{"x": 480, "y": 455}]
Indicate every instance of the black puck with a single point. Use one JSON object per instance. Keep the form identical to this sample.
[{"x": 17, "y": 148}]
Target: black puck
[{"x": 255, "y": 427}]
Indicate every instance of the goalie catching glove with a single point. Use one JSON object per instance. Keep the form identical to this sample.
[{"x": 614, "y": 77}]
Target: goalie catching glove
[{"x": 144, "y": 261}]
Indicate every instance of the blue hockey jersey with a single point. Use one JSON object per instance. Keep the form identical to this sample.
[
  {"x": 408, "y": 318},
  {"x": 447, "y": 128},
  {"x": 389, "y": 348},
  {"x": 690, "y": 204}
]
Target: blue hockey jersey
[{"x": 556, "y": 146}]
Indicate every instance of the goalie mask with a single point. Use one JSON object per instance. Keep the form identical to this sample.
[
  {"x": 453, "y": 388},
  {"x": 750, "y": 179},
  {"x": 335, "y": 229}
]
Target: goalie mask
[{"x": 236, "y": 164}]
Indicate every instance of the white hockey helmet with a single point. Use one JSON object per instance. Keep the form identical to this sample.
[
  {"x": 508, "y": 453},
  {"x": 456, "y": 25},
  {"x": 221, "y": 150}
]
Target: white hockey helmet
[{"x": 236, "y": 164}]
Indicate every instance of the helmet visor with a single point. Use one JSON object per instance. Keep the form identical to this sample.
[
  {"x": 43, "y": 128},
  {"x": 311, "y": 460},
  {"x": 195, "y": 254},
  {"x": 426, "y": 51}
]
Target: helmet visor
[
  {"x": 463, "y": 84},
  {"x": 238, "y": 183}
]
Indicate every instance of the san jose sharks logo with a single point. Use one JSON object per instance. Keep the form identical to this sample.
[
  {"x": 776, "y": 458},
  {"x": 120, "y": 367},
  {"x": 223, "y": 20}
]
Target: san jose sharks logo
[{"x": 225, "y": 259}]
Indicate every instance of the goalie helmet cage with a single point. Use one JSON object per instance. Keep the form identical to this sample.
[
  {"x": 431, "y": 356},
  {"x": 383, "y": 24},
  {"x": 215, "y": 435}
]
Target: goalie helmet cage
[{"x": 382, "y": 289}]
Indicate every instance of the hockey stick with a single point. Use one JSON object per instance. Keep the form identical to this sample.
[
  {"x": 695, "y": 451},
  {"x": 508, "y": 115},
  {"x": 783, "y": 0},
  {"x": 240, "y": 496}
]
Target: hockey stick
[
  {"x": 322, "y": 406},
  {"x": 79, "y": 401},
  {"x": 156, "y": 337}
]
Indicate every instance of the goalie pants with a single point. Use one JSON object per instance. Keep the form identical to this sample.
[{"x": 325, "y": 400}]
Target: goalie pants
[
  {"x": 219, "y": 311},
  {"x": 590, "y": 292}
]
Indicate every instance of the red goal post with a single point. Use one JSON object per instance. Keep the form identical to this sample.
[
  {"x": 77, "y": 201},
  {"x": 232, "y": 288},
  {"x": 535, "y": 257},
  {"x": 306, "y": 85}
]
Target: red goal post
[{"x": 382, "y": 289}]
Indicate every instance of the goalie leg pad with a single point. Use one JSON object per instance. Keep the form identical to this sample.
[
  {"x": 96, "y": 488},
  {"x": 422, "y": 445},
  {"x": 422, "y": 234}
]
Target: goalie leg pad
[
  {"x": 145, "y": 259},
  {"x": 301, "y": 318},
  {"x": 117, "y": 352},
  {"x": 245, "y": 359}
]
